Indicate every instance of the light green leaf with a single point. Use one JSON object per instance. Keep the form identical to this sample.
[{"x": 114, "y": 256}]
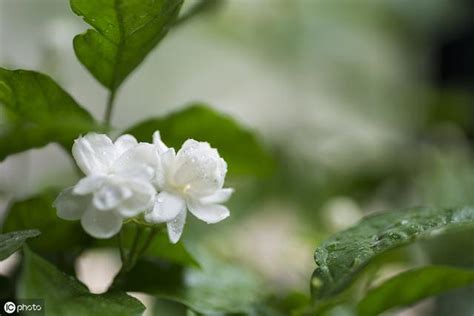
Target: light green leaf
[
  {"x": 161, "y": 247},
  {"x": 36, "y": 111},
  {"x": 412, "y": 286},
  {"x": 125, "y": 31},
  {"x": 64, "y": 295},
  {"x": 198, "y": 8},
  {"x": 11, "y": 242},
  {"x": 215, "y": 288},
  {"x": 244, "y": 154},
  {"x": 341, "y": 257},
  {"x": 38, "y": 212}
]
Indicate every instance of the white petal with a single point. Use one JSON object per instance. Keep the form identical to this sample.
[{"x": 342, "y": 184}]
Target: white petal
[
  {"x": 94, "y": 153},
  {"x": 220, "y": 196},
  {"x": 160, "y": 146},
  {"x": 210, "y": 214},
  {"x": 111, "y": 195},
  {"x": 88, "y": 184},
  {"x": 141, "y": 200},
  {"x": 124, "y": 143},
  {"x": 167, "y": 206},
  {"x": 175, "y": 227},
  {"x": 139, "y": 162},
  {"x": 70, "y": 206},
  {"x": 167, "y": 160},
  {"x": 200, "y": 168},
  {"x": 100, "y": 224}
]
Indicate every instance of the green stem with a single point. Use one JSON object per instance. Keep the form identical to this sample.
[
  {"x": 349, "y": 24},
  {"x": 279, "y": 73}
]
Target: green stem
[
  {"x": 109, "y": 108},
  {"x": 127, "y": 260},
  {"x": 148, "y": 241},
  {"x": 130, "y": 262},
  {"x": 120, "y": 245},
  {"x": 139, "y": 252}
]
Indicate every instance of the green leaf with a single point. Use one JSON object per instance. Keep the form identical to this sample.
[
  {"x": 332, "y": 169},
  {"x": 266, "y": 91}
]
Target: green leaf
[
  {"x": 11, "y": 242},
  {"x": 198, "y": 8},
  {"x": 36, "y": 111},
  {"x": 412, "y": 286},
  {"x": 177, "y": 253},
  {"x": 341, "y": 257},
  {"x": 161, "y": 247},
  {"x": 238, "y": 146},
  {"x": 38, "y": 212},
  {"x": 216, "y": 288},
  {"x": 64, "y": 295},
  {"x": 125, "y": 31}
]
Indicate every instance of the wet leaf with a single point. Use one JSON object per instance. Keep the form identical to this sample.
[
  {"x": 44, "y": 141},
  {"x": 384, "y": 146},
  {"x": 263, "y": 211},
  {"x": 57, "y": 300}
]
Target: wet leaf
[
  {"x": 35, "y": 111},
  {"x": 11, "y": 242},
  {"x": 341, "y": 257},
  {"x": 38, "y": 212},
  {"x": 64, "y": 295},
  {"x": 125, "y": 31}
]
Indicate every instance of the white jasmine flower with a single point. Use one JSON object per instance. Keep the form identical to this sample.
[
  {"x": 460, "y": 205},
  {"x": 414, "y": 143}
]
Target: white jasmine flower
[
  {"x": 191, "y": 179},
  {"x": 117, "y": 183}
]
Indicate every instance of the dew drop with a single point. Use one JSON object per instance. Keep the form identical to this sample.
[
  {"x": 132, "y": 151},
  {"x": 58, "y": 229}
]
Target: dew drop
[
  {"x": 356, "y": 262},
  {"x": 316, "y": 282}
]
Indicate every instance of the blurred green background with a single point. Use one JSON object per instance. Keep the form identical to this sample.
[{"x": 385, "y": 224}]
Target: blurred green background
[{"x": 366, "y": 106}]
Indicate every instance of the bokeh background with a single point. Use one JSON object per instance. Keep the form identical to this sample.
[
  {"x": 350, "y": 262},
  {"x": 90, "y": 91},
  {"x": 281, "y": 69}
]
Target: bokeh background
[{"x": 366, "y": 105}]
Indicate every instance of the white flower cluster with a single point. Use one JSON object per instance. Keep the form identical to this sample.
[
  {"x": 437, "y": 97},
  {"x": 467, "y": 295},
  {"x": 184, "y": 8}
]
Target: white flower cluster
[{"x": 126, "y": 178}]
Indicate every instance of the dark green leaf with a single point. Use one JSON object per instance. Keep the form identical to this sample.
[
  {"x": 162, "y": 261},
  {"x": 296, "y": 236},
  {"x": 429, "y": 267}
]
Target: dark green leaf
[
  {"x": 64, "y": 295},
  {"x": 7, "y": 289},
  {"x": 166, "y": 307},
  {"x": 154, "y": 277},
  {"x": 342, "y": 256},
  {"x": 38, "y": 212},
  {"x": 125, "y": 31},
  {"x": 216, "y": 288},
  {"x": 412, "y": 286},
  {"x": 11, "y": 242},
  {"x": 237, "y": 145},
  {"x": 294, "y": 304},
  {"x": 36, "y": 111}
]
